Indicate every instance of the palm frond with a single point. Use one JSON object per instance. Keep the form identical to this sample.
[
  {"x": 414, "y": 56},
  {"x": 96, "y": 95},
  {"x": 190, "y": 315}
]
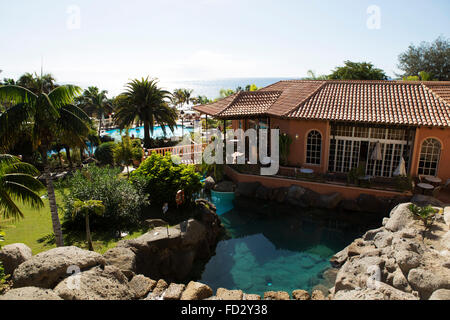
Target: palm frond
[
  {"x": 64, "y": 95},
  {"x": 22, "y": 168},
  {"x": 23, "y": 194},
  {"x": 8, "y": 208},
  {"x": 16, "y": 94}
]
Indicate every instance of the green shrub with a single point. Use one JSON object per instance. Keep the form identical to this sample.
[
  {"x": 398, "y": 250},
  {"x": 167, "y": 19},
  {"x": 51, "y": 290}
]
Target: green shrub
[
  {"x": 105, "y": 153},
  {"x": 162, "y": 179},
  {"x": 123, "y": 201},
  {"x": 426, "y": 214}
]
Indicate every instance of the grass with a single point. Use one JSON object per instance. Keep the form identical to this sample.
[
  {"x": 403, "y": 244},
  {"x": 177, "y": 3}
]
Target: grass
[{"x": 36, "y": 231}]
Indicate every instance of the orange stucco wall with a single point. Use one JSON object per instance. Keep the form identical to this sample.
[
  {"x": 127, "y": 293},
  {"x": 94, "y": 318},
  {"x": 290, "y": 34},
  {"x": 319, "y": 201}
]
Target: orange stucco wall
[
  {"x": 299, "y": 130},
  {"x": 350, "y": 193},
  {"x": 443, "y": 135}
]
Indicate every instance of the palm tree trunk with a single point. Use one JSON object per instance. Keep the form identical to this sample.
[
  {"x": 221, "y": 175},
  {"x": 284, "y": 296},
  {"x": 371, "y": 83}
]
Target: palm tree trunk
[
  {"x": 88, "y": 234},
  {"x": 69, "y": 158},
  {"x": 60, "y": 160},
  {"x": 146, "y": 134},
  {"x": 52, "y": 201}
]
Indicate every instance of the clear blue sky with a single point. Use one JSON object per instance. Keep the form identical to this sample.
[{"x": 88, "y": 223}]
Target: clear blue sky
[{"x": 204, "y": 39}]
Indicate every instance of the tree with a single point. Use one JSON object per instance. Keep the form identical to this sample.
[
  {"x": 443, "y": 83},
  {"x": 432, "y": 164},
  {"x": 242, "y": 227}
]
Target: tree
[
  {"x": 311, "y": 75},
  {"x": 95, "y": 101},
  {"x": 358, "y": 71},
  {"x": 433, "y": 58},
  {"x": 123, "y": 152},
  {"x": 36, "y": 84},
  {"x": 17, "y": 184},
  {"x": 201, "y": 100},
  {"x": 47, "y": 115},
  {"x": 88, "y": 208},
  {"x": 145, "y": 101}
]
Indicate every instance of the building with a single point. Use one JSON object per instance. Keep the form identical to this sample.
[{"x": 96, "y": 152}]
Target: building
[{"x": 336, "y": 125}]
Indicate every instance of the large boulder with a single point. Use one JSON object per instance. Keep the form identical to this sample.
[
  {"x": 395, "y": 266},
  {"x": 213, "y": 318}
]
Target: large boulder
[
  {"x": 12, "y": 255},
  {"x": 107, "y": 283},
  {"x": 47, "y": 268},
  {"x": 225, "y": 294},
  {"x": 224, "y": 186},
  {"x": 428, "y": 281},
  {"x": 30, "y": 293},
  {"x": 400, "y": 217},
  {"x": 141, "y": 285},
  {"x": 423, "y": 201},
  {"x": 441, "y": 294},
  {"x": 329, "y": 201},
  {"x": 174, "y": 291},
  {"x": 123, "y": 258},
  {"x": 196, "y": 291},
  {"x": 247, "y": 189}
]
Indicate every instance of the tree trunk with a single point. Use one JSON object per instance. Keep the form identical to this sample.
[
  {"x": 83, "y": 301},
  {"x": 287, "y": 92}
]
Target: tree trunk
[
  {"x": 69, "y": 158},
  {"x": 100, "y": 124},
  {"x": 88, "y": 234},
  {"x": 60, "y": 160},
  {"x": 81, "y": 154},
  {"x": 147, "y": 135},
  {"x": 52, "y": 201}
]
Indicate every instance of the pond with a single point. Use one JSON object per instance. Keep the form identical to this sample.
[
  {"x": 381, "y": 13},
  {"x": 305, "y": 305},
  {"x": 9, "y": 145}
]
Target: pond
[
  {"x": 158, "y": 132},
  {"x": 281, "y": 253}
]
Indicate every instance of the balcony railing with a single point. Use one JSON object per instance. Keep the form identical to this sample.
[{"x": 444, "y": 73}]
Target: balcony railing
[{"x": 187, "y": 153}]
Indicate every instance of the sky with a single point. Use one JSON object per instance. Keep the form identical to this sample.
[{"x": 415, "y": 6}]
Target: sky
[{"x": 107, "y": 43}]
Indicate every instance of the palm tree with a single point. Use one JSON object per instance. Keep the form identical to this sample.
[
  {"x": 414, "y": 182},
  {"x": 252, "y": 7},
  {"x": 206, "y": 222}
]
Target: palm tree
[
  {"x": 88, "y": 208},
  {"x": 92, "y": 100},
  {"x": 36, "y": 84},
  {"x": 143, "y": 100},
  {"x": 17, "y": 184},
  {"x": 47, "y": 115}
]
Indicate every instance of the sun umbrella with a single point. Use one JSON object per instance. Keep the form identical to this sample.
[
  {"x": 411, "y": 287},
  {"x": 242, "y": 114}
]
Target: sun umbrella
[
  {"x": 401, "y": 169},
  {"x": 376, "y": 153}
]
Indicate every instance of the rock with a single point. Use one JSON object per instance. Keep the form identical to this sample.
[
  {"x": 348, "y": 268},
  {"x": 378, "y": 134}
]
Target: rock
[
  {"x": 141, "y": 285},
  {"x": 359, "y": 247},
  {"x": 426, "y": 281},
  {"x": 281, "y": 195},
  {"x": 370, "y": 203},
  {"x": 252, "y": 297},
  {"x": 447, "y": 216},
  {"x": 193, "y": 234},
  {"x": 196, "y": 291},
  {"x": 329, "y": 201},
  {"x": 209, "y": 183},
  {"x": 441, "y": 294},
  {"x": 357, "y": 272},
  {"x": 12, "y": 255},
  {"x": 158, "y": 291},
  {"x": 30, "y": 293},
  {"x": 382, "y": 292},
  {"x": 262, "y": 193},
  {"x": 123, "y": 258},
  {"x": 370, "y": 235},
  {"x": 317, "y": 295},
  {"x": 406, "y": 260},
  {"x": 96, "y": 284},
  {"x": 247, "y": 189},
  {"x": 295, "y": 196},
  {"x": 400, "y": 218},
  {"x": 276, "y": 295},
  {"x": 339, "y": 258},
  {"x": 224, "y": 186},
  {"x": 225, "y": 294},
  {"x": 445, "y": 241},
  {"x": 383, "y": 239},
  {"x": 350, "y": 205},
  {"x": 301, "y": 295},
  {"x": 174, "y": 292},
  {"x": 399, "y": 281},
  {"x": 154, "y": 223},
  {"x": 423, "y": 201},
  {"x": 47, "y": 268}
]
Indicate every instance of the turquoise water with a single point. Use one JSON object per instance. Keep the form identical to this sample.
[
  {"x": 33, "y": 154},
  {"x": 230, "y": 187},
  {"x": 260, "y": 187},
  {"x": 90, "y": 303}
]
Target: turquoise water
[
  {"x": 223, "y": 201},
  {"x": 138, "y": 132},
  {"x": 271, "y": 254}
]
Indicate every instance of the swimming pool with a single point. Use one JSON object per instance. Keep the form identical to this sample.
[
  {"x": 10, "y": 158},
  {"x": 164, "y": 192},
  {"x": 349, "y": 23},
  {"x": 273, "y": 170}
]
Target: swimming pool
[
  {"x": 138, "y": 132},
  {"x": 281, "y": 253}
]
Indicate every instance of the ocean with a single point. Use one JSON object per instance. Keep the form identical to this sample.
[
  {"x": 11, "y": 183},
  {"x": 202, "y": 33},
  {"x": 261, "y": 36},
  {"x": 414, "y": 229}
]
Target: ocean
[{"x": 211, "y": 88}]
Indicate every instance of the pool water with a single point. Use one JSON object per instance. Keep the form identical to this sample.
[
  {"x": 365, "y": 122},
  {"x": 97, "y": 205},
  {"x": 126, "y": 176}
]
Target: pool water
[
  {"x": 273, "y": 254},
  {"x": 138, "y": 132},
  {"x": 223, "y": 201}
]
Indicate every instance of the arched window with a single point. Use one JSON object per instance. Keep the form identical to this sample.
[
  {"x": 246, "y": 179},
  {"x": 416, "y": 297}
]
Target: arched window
[
  {"x": 314, "y": 148},
  {"x": 429, "y": 157}
]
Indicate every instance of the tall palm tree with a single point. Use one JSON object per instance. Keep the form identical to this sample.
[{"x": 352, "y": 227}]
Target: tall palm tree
[
  {"x": 143, "y": 100},
  {"x": 47, "y": 115},
  {"x": 36, "y": 84},
  {"x": 93, "y": 100},
  {"x": 17, "y": 184}
]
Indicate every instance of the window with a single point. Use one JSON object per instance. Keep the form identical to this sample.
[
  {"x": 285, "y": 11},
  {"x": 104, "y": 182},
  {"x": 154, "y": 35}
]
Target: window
[
  {"x": 314, "y": 148},
  {"x": 429, "y": 157}
]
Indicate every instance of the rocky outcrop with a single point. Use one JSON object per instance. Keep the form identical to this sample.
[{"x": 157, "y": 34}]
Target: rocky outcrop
[
  {"x": 196, "y": 291},
  {"x": 98, "y": 283},
  {"x": 399, "y": 261},
  {"x": 47, "y": 268},
  {"x": 154, "y": 223},
  {"x": 170, "y": 253},
  {"x": 12, "y": 255},
  {"x": 224, "y": 186},
  {"x": 30, "y": 293}
]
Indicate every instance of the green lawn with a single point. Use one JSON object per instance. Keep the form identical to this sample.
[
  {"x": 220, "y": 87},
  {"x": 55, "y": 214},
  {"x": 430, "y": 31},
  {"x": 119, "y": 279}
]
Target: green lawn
[{"x": 37, "y": 225}]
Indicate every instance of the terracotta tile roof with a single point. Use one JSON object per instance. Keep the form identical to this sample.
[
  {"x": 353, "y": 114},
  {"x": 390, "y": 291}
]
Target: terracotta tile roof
[
  {"x": 251, "y": 103},
  {"x": 382, "y": 102}
]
